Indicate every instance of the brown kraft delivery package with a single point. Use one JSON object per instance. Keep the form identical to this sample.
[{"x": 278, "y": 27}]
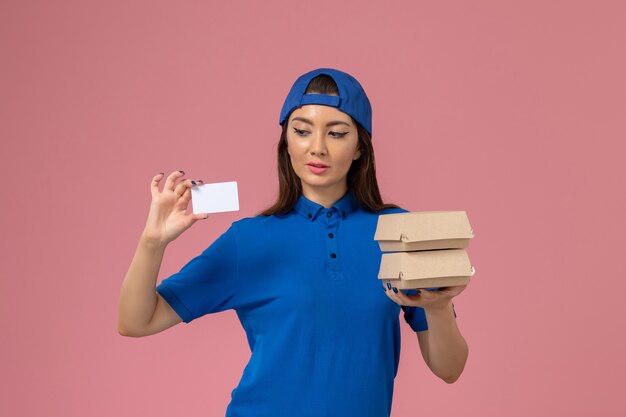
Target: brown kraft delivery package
[{"x": 425, "y": 249}]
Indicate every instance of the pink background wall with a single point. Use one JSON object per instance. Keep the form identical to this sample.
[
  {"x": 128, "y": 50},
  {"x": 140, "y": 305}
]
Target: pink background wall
[{"x": 512, "y": 111}]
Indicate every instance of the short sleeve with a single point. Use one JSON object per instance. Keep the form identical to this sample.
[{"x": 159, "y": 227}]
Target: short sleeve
[
  {"x": 416, "y": 316},
  {"x": 207, "y": 283}
]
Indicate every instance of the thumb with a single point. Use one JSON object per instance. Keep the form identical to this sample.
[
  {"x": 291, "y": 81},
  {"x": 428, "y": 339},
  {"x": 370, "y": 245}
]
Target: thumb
[
  {"x": 202, "y": 216},
  {"x": 195, "y": 217}
]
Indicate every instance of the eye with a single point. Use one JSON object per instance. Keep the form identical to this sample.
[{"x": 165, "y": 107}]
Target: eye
[
  {"x": 338, "y": 134},
  {"x": 299, "y": 132}
]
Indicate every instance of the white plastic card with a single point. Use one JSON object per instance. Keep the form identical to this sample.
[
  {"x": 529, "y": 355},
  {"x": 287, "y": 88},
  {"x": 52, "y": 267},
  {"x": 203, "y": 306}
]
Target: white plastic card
[{"x": 214, "y": 198}]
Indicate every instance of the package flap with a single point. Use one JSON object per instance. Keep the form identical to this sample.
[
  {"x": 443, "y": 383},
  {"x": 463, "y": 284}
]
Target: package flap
[{"x": 423, "y": 226}]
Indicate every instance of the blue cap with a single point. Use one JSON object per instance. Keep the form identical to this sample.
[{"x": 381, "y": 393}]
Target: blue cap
[{"x": 352, "y": 99}]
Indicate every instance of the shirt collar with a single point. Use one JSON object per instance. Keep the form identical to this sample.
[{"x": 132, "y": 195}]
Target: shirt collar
[{"x": 310, "y": 210}]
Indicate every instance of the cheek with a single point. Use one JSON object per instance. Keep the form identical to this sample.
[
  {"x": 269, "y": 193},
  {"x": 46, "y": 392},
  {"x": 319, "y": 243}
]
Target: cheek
[
  {"x": 294, "y": 153},
  {"x": 295, "y": 149},
  {"x": 346, "y": 156},
  {"x": 289, "y": 147},
  {"x": 290, "y": 151},
  {"x": 347, "y": 162}
]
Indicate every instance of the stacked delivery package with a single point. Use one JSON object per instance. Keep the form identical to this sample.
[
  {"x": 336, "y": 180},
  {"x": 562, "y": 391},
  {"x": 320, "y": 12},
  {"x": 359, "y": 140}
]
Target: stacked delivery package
[{"x": 424, "y": 249}]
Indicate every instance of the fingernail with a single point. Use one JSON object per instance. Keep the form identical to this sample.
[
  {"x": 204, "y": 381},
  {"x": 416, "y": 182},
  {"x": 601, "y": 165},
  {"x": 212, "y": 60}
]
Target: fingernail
[
  {"x": 193, "y": 182},
  {"x": 200, "y": 181},
  {"x": 160, "y": 173},
  {"x": 182, "y": 172},
  {"x": 395, "y": 290},
  {"x": 389, "y": 285}
]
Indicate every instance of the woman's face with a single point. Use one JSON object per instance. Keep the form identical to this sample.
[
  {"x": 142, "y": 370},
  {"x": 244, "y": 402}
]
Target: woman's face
[{"x": 323, "y": 135}]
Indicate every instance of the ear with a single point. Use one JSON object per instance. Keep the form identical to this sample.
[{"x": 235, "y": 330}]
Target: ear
[{"x": 357, "y": 155}]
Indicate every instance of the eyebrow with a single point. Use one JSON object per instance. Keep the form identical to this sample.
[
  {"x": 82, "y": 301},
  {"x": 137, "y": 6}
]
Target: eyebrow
[{"x": 333, "y": 123}]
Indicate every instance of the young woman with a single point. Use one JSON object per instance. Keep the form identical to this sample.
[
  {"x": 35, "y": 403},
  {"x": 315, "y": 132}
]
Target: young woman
[{"x": 301, "y": 275}]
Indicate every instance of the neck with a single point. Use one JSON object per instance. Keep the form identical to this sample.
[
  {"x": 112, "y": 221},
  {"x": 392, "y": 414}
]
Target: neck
[{"x": 325, "y": 196}]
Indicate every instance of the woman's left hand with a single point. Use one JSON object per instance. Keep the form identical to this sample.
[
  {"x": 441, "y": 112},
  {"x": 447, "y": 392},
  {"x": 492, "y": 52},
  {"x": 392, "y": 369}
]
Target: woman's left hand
[{"x": 426, "y": 299}]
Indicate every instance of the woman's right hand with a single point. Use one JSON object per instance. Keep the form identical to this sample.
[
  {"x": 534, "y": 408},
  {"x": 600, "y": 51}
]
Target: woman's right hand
[{"x": 167, "y": 218}]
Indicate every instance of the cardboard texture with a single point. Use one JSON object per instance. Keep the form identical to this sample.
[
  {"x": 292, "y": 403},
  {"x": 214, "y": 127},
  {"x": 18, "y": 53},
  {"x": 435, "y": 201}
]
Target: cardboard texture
[
  {"x": 426, "y": 269},
  {"x": 425, "y": 230},
  {"x": 427, "y": 249}
]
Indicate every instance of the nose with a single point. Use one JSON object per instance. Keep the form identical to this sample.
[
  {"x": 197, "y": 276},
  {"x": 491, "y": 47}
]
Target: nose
[{"x": 318, "y": 144}]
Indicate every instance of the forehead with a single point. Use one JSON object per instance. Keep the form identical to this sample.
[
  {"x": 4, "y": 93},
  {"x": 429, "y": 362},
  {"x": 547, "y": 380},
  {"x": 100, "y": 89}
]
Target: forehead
[{"x": 318, "y": 113}]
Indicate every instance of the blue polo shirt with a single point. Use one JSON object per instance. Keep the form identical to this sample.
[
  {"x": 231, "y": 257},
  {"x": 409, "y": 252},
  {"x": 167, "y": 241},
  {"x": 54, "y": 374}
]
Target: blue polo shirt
[{"x": 324, "y": 338}]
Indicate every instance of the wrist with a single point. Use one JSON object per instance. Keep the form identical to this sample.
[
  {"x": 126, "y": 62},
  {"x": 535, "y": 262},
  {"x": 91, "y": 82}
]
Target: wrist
[
  {"x": 441, "y": 308},
  {"x": 151, "y": 242}
]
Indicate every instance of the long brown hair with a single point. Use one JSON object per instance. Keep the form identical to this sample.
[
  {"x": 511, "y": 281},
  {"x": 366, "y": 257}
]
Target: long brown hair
[{"x": 361, "y": 175}]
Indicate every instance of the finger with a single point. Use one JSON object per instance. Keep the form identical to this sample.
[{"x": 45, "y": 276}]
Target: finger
[
  {"x": 183, "y": 186},
  {"x": 200, "y": 216},
  {"x": 171, "y": 179},
  {"x": 427, "y": 294},
  {"x": 183, "y": 200},
  {"x": 154, "y": 184},
  {"x": 388, "y": 292},
  {"x": 402, "y": 296},
  {"x": 394, "y": 295},
  {"x": 192, "y": 218},
  {"x": 406, "y": 300},
  {"x": 416, "y": 298},
  {"x": 386, "y": 287}
]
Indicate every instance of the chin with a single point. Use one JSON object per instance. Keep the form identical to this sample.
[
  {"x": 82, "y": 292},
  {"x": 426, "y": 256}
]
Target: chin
[
  {"x": 312, "y": 180},
  {"x": 317, "y": 183},
  {"x": 320, "y": 182}
]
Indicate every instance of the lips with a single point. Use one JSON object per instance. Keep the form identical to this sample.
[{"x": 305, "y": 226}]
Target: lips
[{"x": 317, "y": 165}]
